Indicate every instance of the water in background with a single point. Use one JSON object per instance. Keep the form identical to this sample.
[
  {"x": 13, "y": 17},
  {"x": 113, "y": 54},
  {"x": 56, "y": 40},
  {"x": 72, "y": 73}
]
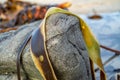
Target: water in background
[{"x": 107, "y": 31}]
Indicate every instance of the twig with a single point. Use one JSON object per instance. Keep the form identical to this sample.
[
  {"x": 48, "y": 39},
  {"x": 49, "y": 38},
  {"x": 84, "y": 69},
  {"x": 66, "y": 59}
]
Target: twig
[
  {"x": 107, "y": 48},
  {"x": 111, "y": 58}
]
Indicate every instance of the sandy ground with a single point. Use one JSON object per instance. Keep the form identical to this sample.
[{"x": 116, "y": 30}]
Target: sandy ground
[{"x": 84, "y": 6}]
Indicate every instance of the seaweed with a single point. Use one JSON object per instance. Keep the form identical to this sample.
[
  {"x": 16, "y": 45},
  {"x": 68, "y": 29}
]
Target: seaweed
[{"x": 14, "y": 13}]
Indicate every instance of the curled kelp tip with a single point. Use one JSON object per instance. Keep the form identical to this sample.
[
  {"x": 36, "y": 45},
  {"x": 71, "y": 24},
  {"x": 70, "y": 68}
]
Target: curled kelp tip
[
  {"x": 38, "y": 47},
  {"x": 91, "y": 42}
]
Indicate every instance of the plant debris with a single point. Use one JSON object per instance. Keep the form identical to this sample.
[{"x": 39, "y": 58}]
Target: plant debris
[
  {"x": 95, "y": 16},
  {"x": 15, "y": 13},
  {"x": 7, "y": 29}
]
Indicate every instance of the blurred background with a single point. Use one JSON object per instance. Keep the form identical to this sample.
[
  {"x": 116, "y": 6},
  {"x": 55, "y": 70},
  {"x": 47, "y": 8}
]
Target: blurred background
[{"x": 83, "y": 6}]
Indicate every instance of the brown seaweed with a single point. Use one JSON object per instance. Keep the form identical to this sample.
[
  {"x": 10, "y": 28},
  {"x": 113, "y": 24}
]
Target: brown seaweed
[{"x": 15, "y": 13}]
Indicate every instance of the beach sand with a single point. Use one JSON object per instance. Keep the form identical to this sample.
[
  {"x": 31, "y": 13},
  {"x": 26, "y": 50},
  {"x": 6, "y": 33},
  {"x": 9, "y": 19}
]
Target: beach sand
[{"x": 84, "y": 6}]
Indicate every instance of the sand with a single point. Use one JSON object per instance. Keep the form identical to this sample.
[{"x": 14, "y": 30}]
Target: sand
[{"x": 85, "y": 6}]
